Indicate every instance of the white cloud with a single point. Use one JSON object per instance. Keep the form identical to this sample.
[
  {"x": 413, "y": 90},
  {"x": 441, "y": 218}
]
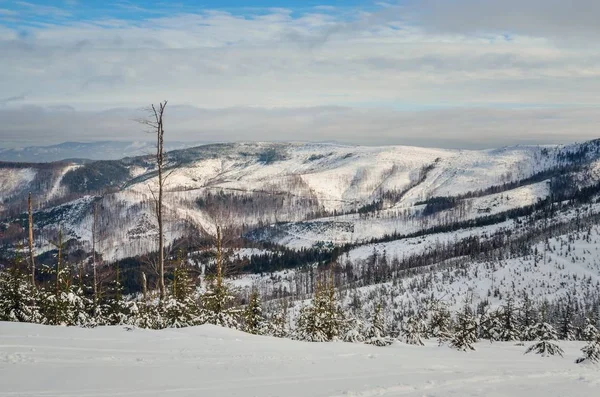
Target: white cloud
[{"x": 361, "y": 64}]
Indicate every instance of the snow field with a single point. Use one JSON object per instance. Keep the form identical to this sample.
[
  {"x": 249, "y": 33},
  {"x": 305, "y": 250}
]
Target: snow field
[{"x": 38, "y": 360}]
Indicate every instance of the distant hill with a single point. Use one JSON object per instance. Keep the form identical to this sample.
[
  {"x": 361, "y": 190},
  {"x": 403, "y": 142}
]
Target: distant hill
[{"x": 106, "y": 150}]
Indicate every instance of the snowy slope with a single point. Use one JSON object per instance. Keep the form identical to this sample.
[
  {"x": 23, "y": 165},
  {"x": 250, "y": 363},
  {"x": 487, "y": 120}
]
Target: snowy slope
[
  {"x": 302, "y": 188},
  {"x": 570, "y": 266},
  {"x": 210, "y": 361},
  {"x": 14, "y": 180}
]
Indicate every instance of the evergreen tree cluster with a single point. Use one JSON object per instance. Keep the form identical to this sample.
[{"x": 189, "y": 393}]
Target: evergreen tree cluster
[{"x": 64, "y": 300}]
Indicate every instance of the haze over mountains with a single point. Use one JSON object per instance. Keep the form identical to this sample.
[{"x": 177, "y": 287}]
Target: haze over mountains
[{"x": 106, "y": 150}]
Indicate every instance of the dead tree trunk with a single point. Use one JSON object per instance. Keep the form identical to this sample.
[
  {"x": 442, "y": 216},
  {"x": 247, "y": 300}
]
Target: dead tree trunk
[
  {"x": 59, "y": 246},
  {"x": 31, "y": 254},
  {"x": 219, "y": 258},
  {"x": 156, "y": 124},
  {"x": 94, "y": 230}
]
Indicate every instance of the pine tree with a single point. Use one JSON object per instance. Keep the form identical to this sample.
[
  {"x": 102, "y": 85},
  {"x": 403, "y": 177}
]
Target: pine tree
[
  {"x": 491, "y": 325},
  {"x": 527, "y": 317},
  {"x": 63, "y": 303},
  {"x": 465, "y": 332},
  {"x": 510, "y": 330},
  {"x": 323, "y": 319},
  {"x": 18, "y": 299},
  {"x": 217, "y": 301},
  {"x": 354, "y": 330},
  {"x": 376, "y": 333},
  {"x": 180, "y": 308},
  {"x": 254, "y": 320},
  {"x": 148, "y": 314},
  {"x": 115, "y": 310},
  {"x": 279, "y": 322},
  {"x": 591, "y": 351},
  {"x": 440, "y": 322},
  {"x": 217, "y": 306},
  {"x": 566, "y": 328},
  {"x": 544, "y": 333},
  {"x": 589, "y": 332},
  {"x": 414, "y": 329}
]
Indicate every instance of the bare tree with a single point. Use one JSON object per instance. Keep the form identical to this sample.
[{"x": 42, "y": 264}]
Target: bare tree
[
  {"x": 156, "y": 123},
  {"x": 94, "y": 236},
  {"x": 58, "y": 243},
  {"x": 31, "y": 254}
]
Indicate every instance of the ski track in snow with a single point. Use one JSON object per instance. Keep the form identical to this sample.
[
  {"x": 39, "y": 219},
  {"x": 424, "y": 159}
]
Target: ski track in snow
[{"x": 45, "y": 361}]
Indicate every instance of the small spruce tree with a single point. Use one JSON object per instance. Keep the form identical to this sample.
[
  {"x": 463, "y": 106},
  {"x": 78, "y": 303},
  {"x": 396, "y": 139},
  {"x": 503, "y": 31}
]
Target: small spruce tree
[
  {"x": 591, "y": 351},
  {"x": 376, "y": 333},
  {"x": 254, "y": 320},
  {"x": 491, "y": 325},
  {"x": 180, "y": 308},
  {"x": 465, "y": 330},
  {"x": 589, "y": 331},
  {"x": 510, "y": 330},
  {"x": 323, "y": 319},
  {"x": 440, "y": 322},
  {"x": 414, "y": 329},
  {"x": 544, "y": 334},
  {"x": 18, "y": 298}
]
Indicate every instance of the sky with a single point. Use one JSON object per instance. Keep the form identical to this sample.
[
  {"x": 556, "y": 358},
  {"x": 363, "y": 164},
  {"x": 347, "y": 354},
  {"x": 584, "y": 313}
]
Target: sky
[{"x": 437, "y": 73}]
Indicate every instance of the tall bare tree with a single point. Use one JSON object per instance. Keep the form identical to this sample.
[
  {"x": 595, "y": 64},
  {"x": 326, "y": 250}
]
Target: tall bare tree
[
  {"x": 94, "y": 237},
  {"x": 31, "y": 254},
  {"x": 58, "y": 243},
  {"x": 156, "y": 123}
]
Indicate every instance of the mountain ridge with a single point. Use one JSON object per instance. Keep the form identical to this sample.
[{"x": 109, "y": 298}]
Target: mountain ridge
[{"x": 331, "y": 193}]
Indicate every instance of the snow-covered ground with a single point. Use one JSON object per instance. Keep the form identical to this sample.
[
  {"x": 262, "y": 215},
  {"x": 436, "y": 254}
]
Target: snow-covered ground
[{"x": 38, "y": 360}]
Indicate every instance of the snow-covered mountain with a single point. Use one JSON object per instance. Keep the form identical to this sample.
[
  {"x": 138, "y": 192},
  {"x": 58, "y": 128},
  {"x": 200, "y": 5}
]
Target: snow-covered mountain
[{"x": 297, "y": 195}]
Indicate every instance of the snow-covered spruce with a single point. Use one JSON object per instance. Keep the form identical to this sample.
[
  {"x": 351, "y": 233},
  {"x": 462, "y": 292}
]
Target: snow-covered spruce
[
  {"x": 254, "y": 319},
  {"x": 376, "y": 333},
  {"x": 545, "y": 334},
  {"x": 414, "y": 329},
  {"x": 323, "y": 319},
  {"x": 465, "y": 330},
  {"x": 18, "y": 299}
]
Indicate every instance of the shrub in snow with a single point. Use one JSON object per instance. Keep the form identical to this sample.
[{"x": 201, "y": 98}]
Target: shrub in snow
[
  {"x": 148, "y": 314},
  {"x": 181, "y": 313},
  {"x": 64, "y": 307}
]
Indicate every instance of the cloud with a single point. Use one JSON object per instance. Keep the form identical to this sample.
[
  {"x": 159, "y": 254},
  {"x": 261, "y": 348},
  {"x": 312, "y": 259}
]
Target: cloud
[
  {"x": 42, "y": 10},
  {"x": 372, "y": 67},
  {"x": 557, "y": 19},
  {"x": 457, "y": 128},
  {"x": 16, "y": 98}
]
